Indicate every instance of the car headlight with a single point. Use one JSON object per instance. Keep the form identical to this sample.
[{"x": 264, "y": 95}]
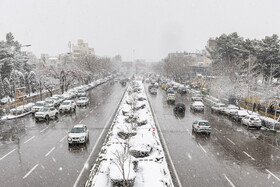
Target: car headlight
[
  {"x": 82, "y": 138},
  {"x": 69, "y": 139}
]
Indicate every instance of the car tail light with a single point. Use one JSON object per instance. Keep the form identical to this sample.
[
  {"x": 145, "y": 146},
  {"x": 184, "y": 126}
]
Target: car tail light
[
  {"x": 210, "y": 127},
  {"x": 198, "y": 126},
  {"x": 250, "y": 121}
]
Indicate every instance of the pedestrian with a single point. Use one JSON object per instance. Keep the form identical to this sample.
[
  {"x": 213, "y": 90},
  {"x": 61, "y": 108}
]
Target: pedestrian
[
  {"x": 254, "y": 107},
  {"x": 258, "y": 107}
]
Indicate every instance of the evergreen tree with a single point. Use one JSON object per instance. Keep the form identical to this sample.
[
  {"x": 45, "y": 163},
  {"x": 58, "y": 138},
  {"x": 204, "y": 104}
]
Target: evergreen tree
[
  {"x": 2, "y": 91},
  {"x": 7, "y": 87},
  {"x": 33, "y": 82}
]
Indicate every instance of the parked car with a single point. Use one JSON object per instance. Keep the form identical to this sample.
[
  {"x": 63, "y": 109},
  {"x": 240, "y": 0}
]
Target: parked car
[
  {"x": 171, "y": 97},
  {"x": 81, "y": 93},
  {"x": 180, "y": 108},
  {"x": 197, "y": 106},
  {"x": 56, "y": 101},
  {"x": 201, "y": 126},
  {"x": 37, "y": 106},
  {"x": 46, "y": 113},
  {"x": 79, "y": 134},
  {"x": 230, "y": 110},
  {"x": 82, "y": 101},
  {"x": 239, "y": 115},
  {"x": 67, "y": 106},
  {"x": 49, "y": 103},
  {"x": 218, "y": 108},
  {"x": 60, "y": 98},
  {"x": 252, "y": 121}
]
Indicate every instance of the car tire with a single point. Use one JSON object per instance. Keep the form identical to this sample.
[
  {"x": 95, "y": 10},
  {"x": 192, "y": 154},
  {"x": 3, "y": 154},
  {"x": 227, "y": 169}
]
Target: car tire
[{"x": 56, "y": 115}]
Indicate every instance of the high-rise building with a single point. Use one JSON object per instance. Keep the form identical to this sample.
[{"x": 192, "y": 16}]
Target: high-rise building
[{"x": 81, "y": 49}]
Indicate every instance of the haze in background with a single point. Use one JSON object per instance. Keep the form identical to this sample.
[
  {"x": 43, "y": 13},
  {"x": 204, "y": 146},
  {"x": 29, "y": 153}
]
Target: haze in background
[{"x": 152, "y": 28}]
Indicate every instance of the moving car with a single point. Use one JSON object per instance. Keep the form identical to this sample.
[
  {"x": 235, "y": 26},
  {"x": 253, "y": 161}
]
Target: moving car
[
  {"x": 182, "y": 90},
  {"x": 171, "y": 97},
  {"x": 230, "y": 110},
  {"x": 239, "y": 115},
  {"x": 46, "y": 113},
  {"x": 82, "y": 101},
  {"x": 67, "y": 106},
  {"x": 180, "y": 108},
  {"x": 218, "y": 108},
  {"x": 81, "y": 93},
  {"x": 56, "y": 100},
  {"x": 197, "y": 106},
  {"x": 50, "y": 103},
  {"x": 252, "y": 121},
  {"x": 201, "y": 126},
  {"x": 197, "y": 97},
  {"x": 37, "y": 106},
  {"x": 79, "y": 134},
  {"x": 153, "y": 91}
]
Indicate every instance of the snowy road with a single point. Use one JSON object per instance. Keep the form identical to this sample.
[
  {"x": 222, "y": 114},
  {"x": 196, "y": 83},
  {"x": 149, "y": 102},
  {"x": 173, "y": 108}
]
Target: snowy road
[
  {"x": 37, "y": 154},
  {"x": 231, "y": 156}
]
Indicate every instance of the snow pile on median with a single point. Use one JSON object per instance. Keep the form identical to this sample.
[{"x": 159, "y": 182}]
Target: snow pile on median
[{"x": 132, "y": 154}]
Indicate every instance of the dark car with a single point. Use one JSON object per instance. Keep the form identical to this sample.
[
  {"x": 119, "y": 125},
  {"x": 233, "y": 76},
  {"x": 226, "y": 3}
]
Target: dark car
[
  {"x": 180, "y": 108},
  {"x": 182, "y": 90}
]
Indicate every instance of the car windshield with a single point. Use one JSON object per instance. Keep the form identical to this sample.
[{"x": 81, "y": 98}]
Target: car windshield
[
  {"x": 203, "y": 123},
  {"x": 49, "y": 102},
  {"x": 77, "y": 130},
  {"x": 65, "y": 103},
  {"x": 82, "y": 98},
  {"x": 81, "y": 91},
  {"x": 43, "y": 110}
]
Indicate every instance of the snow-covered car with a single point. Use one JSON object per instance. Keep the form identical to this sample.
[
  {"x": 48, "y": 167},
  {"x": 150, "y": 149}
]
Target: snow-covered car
[
  {"x": 218, "y": 108},
  {"x": 49, "y": 103},
  {"x": 153, "y": 91},
  {"x": 46, "y": 113},
  {"x": 56, "y": 100},
  {"x": 82, "y": 101},
  {"x": 230, "y": 110},
  {"x": 81, "y": 93},
  {"x": 197, "y": 106},
  {"x": 201, "y": 126},
  {"x": 37, "y": 106},
  {"x": 182, "y": 90},
  {"x": 79, "y": 134},
  {"x": 67, "y": 106},
  {"x": 252, "y": 121},
  {"x": 197, "y": 97},
  {"x": 60, "y": 98},
  {"x": 239, "y": 115}
]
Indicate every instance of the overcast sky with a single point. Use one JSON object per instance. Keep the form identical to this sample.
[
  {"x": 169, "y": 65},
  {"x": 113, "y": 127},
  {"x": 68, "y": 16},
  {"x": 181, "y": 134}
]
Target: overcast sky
[{"x": 152, "y": 28}]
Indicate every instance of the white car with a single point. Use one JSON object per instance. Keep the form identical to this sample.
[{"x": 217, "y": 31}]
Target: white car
[
  {"x": 37, "y": 106},
  {"x": 218, "y": 107},
  {"x": 79, "y": 134},
  {"x": 49, "y": 103},
  {"x": 67, "y": 106},
  {"x": 197, "y": 106},
  {"x": 252, "y": 121},
  {"x": 201, "y": 126},
  {"x": 230, "y": 110},
  {"x": 56, "y": 100},
  {"x": 171, "y": 97},
  {"x": 81, "y": 93},
  {"x": 197, "y": 97},
  {"x": 82, "y": 101},
  {"x": 46, "y": 113}
]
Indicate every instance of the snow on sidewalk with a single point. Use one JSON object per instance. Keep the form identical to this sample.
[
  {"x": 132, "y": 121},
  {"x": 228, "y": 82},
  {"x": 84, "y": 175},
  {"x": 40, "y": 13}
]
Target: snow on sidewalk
[{"x": 132, "y": 148}]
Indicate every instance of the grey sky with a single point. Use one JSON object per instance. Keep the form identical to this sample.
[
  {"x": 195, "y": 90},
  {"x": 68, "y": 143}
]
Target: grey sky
[{"x": 152, "y": 27}]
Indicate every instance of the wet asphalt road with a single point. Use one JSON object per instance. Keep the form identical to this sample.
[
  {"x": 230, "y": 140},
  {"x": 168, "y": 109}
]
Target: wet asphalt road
[
  {"x": 231, "y": 156},
  {"x": 37, "y": 154}
]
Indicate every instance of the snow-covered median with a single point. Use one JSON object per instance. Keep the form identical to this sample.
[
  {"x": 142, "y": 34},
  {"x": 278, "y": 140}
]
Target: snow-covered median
[{"x": 132, "y": 154}]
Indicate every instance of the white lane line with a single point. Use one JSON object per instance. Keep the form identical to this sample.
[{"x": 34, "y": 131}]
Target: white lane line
[
  {"x": 86, "y": 115},
  {"x": 44, "y": 129},
  {"x": 273, "y": 146},
  {"x": 81, "y": 121},
  {"x": 272, "y": 174},
  {"x": 91, "y": 111},
  {"x": 248, "y": 155},
  {"x": 229, "y": 181},
  {"x": 29, "y": 139},
  {"x": 50, "y": 152},
  {"x": 30, "y": 171},
  {"x": 202, "y": 148},
  {"x": 189, "y": 132},
  {"x": 63, "y": 138},
  {"x": 230, "y": 141},
  {"x": 7, "y": 154}
]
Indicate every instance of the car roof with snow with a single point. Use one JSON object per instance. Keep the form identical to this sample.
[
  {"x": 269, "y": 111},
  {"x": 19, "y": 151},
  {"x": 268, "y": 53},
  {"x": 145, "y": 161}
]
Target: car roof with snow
[
  {"x": 79, "y": 126},
  {"x": 202, "y": 120},
  {"x": 197, "y": 103},
  {"x": 40, "y": 102}
]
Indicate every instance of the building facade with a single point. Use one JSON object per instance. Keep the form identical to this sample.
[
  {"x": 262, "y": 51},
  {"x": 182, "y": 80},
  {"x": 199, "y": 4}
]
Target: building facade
[{"x": 81, "y": 49}]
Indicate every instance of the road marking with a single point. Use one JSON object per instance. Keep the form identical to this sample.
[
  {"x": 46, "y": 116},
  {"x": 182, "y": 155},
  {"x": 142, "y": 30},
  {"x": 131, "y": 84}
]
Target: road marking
[
  {"x": 44, "y": 129},
  {"x": 29, "y": 139},
  {"x": 273, "y": 146},
  {"x": 229, "y": 181},
  {"x": 202, "y": 148},
  {"x": 30, "y": 171},
  {"x": 50, "y": 152},
  {"x": 86, "y": 115},
  {"x": 81, "y": 121},
  {"x": 7, "y": 154},
  {"x": 248, "y": 155},
  {"x": 91, "y": 111},
  {"x": 272, "y": 174},
  {"x": 189, "y": 132},
  {"x": 230, "y": 141},
  {"x": 63, "y": 138}
]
